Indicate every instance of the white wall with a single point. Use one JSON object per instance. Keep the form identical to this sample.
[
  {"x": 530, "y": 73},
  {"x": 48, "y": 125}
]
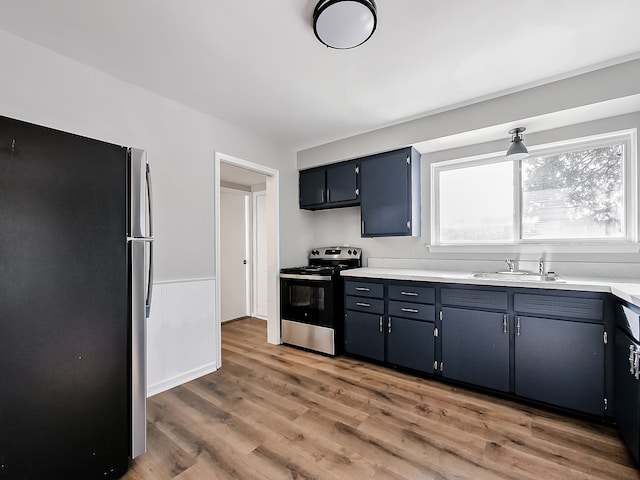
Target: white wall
[{"x": 42, "y": 87}]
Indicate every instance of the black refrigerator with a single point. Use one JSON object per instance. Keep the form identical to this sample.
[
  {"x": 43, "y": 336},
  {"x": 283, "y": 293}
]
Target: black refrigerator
[{"x": 75, "y": 289}]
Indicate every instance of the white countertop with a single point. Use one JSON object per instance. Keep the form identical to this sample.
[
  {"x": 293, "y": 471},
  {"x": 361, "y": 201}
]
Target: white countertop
[{"x": 625, "y": 289}]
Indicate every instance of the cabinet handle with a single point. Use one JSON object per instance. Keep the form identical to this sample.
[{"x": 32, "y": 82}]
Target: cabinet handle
[
  {"x": 362, "y": 227},
  {"x": 636, "y": 363},
  {"x": 362, "y": 304},
  {"x": 409, "y": 294},
  {"x": 389, "y": 325},
  {"x": 410, "y": 310},
  {"x": 517, "y": 326},
  {"x": 328, "y": 195},
  {"x": 632, "y": 354},
  {"x": 380, "y": 324},
  {"x": 504, "y": 323},
  {"x": 363, "y": 289},
  {"x": 323, "y": 200}
]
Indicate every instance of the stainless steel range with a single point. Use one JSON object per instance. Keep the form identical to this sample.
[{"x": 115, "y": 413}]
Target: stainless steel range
[{"x": 312, "y": 299}]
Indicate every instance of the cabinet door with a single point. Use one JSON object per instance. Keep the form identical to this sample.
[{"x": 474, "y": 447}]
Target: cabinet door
[
  {"x": 560, "y": 362},
  {"x": 627, "y": 392},
  {"x": 385, "y": 194},
  {"x": 342, "y": 182},
  {"x": 312, "y": 187},
  {"x": 410, "y": 343},
  {"x": 364, "y": 335},
  {"x": 475, "y": 347}
]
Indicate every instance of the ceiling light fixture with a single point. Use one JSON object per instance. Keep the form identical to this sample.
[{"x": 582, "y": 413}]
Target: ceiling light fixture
[
  {"x": 517, "y": 150},
  {"x": 344, "y": 24}
]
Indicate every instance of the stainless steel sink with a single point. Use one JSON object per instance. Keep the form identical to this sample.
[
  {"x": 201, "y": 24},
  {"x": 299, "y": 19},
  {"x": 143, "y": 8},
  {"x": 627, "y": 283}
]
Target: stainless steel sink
[{"x": 518, "y": 276}]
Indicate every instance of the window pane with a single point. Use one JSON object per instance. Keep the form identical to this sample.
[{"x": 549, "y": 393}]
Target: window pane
[
  {"x": 574, "y": 194},
  {"x": 476, "y": 204}
]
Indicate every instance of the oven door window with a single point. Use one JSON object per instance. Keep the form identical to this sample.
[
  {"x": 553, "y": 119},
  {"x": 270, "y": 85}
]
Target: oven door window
[{"x": 307, "y": 301}]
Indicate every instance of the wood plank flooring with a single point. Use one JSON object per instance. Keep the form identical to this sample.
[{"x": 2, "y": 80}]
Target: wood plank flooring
[{"x": 276, "y": 412}]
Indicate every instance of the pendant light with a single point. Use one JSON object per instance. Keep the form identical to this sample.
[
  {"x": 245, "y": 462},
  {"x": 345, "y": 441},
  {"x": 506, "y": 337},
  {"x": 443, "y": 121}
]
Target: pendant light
[
  {"x": 517, "y": 150},
  {"x": 344, "y": 24}
]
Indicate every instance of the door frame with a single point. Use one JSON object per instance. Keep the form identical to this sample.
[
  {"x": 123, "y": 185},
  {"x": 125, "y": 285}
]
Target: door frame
[
  {"x": 273, "y": 245},
  {"x": 254, "y": 249}
]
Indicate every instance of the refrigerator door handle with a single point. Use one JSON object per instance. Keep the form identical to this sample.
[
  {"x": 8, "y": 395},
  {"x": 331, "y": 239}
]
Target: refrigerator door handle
[{"x": 150, "y": 218}]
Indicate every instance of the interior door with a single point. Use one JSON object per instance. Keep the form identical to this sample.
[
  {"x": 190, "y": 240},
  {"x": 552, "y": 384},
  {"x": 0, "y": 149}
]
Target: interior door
[{"x": 234, "y": 213}]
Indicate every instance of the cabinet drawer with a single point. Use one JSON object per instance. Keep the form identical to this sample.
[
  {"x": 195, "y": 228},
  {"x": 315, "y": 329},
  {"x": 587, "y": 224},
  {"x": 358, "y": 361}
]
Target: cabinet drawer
[
  {"x": 411, "y": 293},
  {"x": 364, "y": 304},
  {"x": 580, "y": 308},
  {"x": 485, "y": 299},
  {"x": 416, "y": 311},
  {"x": 364, "y": 289}
]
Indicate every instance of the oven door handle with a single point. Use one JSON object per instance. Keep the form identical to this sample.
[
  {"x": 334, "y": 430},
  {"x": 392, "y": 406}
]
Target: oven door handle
[{"x": 311, "y": 278}]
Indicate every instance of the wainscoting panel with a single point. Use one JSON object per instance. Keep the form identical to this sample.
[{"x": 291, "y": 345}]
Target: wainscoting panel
[{"x": 181, "y": 334}]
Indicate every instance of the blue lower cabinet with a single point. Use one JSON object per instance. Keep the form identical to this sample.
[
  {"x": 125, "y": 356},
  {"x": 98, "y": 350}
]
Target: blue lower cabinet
[
  {"x": 627, "y": 377},
  {"x": 561, "y": 363},
  {"x": 364, "y": 334},
  {"x": 411, "y": 344},
  {"x": 475, "y": 347}
]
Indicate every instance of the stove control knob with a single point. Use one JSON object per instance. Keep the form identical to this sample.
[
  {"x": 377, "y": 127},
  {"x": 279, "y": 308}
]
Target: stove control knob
[{"x": 349, "y": 252}]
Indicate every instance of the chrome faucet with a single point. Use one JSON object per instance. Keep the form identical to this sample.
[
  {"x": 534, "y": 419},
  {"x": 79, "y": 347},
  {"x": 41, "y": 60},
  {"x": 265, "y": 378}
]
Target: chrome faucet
[
  {"x": 541, "y": 266},
  {"x": 510, "y": 263}
]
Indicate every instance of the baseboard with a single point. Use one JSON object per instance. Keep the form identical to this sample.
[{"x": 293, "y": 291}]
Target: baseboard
[{"x": 180, "y": 379}]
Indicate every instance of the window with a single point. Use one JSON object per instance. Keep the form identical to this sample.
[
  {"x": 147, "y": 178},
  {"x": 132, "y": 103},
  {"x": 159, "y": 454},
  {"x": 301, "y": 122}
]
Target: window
[
  {"x": 476, "y": 203},
  {"x": 577, "y": 191}
]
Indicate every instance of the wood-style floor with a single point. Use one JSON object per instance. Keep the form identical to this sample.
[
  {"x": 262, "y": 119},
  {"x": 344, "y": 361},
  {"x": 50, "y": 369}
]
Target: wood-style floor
[{"x": 276, "y": 412}]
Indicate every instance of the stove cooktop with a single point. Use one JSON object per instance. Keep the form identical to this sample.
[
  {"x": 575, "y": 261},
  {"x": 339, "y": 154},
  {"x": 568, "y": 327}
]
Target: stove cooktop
[
  {"x": 310, "y": 270},
  {"x": 328, "y": 261}
]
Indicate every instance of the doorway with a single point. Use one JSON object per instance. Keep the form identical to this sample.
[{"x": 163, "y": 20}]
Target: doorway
[{"x": 270, "y": 228}]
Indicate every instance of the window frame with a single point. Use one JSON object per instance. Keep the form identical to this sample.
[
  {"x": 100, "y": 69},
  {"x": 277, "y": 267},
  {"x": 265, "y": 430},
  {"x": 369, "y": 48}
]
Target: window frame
[{"x": 630, "y": 199}]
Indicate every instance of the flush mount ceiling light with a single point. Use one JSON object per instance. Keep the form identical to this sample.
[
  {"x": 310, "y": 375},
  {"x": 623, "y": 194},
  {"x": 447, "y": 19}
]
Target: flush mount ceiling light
[
  {"x": 344, "y": 23},
  {"x": 517, "y": 150}
]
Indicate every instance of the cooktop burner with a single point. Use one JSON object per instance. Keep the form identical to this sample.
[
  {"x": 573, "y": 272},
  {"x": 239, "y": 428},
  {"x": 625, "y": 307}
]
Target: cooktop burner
[
  {"x": 328, "y": 261},
  {"x": 310, "y": 269}
]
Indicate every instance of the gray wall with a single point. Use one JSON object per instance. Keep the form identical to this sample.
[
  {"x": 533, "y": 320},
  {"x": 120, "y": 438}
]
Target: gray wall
[{"x": 556, "y": 112}]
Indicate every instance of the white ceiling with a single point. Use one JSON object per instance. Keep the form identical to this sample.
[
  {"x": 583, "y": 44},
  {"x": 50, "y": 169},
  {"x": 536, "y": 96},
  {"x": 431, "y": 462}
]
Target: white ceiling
[{"x": 257, "y": 64}]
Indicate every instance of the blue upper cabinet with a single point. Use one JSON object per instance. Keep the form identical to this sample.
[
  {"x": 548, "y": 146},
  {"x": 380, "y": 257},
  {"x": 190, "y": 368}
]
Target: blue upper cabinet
[
  {"x": 330, "y": 186},
  {"x": 390, "y": 194}
]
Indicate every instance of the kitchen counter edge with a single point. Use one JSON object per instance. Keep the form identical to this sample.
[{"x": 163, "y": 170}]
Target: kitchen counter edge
[{"x": 625, "y": 289}]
